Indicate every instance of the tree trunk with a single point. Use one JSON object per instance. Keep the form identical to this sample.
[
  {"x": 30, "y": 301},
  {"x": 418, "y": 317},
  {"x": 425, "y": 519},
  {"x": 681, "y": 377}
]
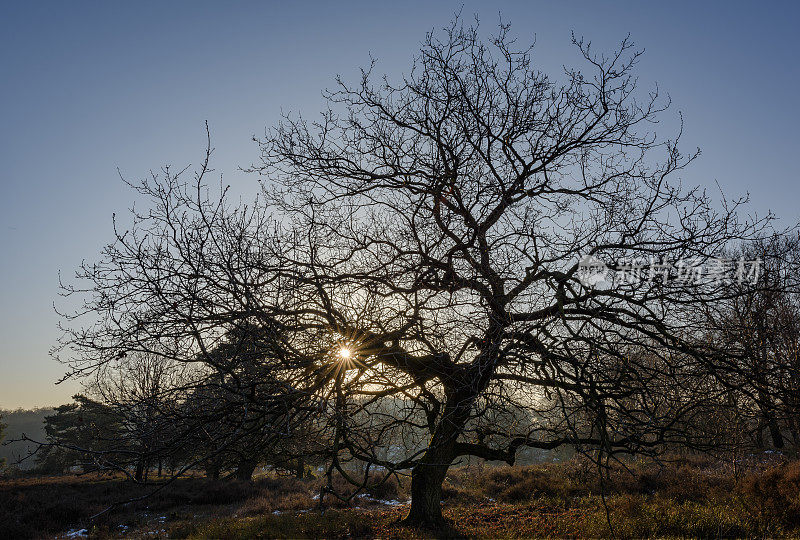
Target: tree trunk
[
  {"x": 793, "y": 430},
  {"x": 426, "y": 495},
  {"x": 213, "y": 468},
  {"x": 245, "y": 469},
  {"x": 768, "y": 413},
  {"x": 766, "y": 402},
  {"x": 139, "y": 474},
  {"x": 775, "y": 432},
  {"x": 301, "y": 468},
  {"x": 429, "y": 473}
]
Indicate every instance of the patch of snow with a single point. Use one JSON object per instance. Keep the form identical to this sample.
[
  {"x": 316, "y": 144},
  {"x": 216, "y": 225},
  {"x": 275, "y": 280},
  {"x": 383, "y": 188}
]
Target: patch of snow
[
  {"x": 391, "y": 502},
  {"x": 76, "y": 533}
]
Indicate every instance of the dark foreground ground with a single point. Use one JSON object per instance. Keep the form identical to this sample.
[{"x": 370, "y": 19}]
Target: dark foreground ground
[{"x": 688, "y": 497}]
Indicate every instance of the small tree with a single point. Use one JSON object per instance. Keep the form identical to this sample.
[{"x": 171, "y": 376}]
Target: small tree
[
  {"x": 144, "y": 392},
  {"x": 2, "y": 435},
  {"x": 84, "y": 433},
  {"x": 762, "y": 321}
]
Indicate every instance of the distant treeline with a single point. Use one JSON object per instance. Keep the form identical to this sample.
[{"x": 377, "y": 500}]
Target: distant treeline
[{"x": 29, "y": 422}]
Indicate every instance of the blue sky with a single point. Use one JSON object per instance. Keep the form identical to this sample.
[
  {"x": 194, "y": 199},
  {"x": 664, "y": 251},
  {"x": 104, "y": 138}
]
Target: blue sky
[{"x": 88, "y": 87}]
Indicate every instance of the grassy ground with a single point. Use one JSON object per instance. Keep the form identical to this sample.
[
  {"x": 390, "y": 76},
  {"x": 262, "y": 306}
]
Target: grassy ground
[{"x": 685, "y": 498}]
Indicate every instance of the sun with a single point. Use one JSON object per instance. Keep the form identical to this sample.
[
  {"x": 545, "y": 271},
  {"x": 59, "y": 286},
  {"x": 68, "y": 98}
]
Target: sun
[
  {"x": 344, "y": 359},
  {"x": 345, "y": 354}
]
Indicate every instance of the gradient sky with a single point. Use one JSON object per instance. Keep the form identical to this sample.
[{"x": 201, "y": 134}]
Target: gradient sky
[{"x": 87, "y": 87}]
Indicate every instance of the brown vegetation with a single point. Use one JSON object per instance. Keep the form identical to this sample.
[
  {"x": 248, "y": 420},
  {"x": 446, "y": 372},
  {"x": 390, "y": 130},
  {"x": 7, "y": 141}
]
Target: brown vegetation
[{"x": 682, "y": 497}]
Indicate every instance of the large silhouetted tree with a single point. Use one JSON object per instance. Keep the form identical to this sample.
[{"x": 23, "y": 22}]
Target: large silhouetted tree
[{"x": 417, "y": 259}]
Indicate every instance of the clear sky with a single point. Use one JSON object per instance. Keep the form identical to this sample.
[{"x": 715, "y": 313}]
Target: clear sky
[{"x": 86, "y": 87}]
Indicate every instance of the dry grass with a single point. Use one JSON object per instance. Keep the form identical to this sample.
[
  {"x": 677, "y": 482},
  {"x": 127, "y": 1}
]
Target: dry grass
[{"x": 694, "y": 498}]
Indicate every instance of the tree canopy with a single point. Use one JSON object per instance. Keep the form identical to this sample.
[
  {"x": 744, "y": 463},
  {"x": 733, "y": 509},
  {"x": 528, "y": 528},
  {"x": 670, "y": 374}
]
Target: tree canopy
[{"x": 412, "y": 270}]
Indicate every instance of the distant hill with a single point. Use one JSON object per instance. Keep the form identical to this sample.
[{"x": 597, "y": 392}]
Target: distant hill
[{"x": 29, "y": 422}]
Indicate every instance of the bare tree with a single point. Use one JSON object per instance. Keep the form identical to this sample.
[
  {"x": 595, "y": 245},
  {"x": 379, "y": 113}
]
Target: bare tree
[
  {"x": 761, "y": 321},
  {"x": 141, "y": 389},
  {"x": 416, "y": 259}
]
